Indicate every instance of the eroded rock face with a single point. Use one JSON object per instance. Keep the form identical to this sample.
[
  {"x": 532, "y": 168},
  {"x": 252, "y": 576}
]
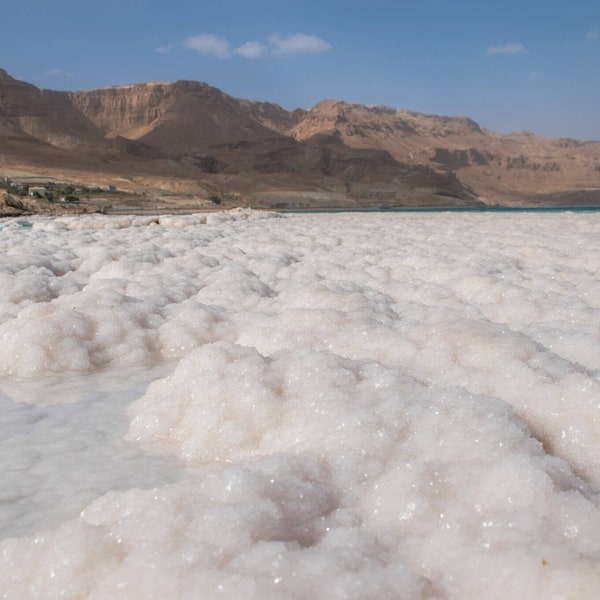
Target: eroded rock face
[
  {"x": 19, "y": 99},
  {"x": 455, "y": 159},
  {"x": 45, "y": 115},
  {"x": 491, "y": 164},
  {"x": 129, "y": 111},
  {"x": 189, "y": 129}
]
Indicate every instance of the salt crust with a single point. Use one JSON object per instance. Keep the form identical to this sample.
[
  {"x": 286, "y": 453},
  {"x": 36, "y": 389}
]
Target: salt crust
[{"x": 370, "y": 406}]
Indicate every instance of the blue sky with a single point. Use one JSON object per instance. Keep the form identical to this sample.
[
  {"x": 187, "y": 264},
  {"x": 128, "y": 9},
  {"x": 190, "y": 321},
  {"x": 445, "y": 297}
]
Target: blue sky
[{"x": 510, "y": 65}]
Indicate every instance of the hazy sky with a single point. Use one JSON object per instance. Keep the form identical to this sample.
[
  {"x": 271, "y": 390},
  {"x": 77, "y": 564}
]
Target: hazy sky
[{"x": 527, "y": 64}]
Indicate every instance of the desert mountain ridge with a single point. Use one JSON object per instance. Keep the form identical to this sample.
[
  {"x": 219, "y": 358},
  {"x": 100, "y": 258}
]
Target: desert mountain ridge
[{"x": 190, "y": 141}]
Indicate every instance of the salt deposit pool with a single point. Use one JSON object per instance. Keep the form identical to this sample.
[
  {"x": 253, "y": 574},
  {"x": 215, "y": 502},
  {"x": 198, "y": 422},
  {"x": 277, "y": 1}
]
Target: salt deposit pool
[
  {"x": 58, "y": 458},
  {"x": 243, "y": 405}
]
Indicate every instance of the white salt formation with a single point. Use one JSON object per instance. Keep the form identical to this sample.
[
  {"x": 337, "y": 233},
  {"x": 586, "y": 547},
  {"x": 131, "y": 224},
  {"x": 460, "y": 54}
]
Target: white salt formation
[{"x": 354, "y": 406}]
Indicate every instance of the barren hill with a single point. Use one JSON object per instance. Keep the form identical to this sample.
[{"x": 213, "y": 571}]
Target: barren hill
[
  {"x": 497, "y": 167},
  {"x": 188, "y": 138}
]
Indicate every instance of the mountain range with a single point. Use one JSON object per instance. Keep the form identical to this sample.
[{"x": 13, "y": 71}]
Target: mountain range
[{"x": 190, "y": 140}]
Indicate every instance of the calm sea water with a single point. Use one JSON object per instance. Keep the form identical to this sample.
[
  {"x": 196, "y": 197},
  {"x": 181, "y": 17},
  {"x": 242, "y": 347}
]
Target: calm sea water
[{"x": 486, "y": 209}]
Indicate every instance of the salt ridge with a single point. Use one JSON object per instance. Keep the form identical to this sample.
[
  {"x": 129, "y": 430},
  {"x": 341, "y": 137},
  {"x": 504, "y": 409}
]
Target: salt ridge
[{"x": 392, "y": 405}]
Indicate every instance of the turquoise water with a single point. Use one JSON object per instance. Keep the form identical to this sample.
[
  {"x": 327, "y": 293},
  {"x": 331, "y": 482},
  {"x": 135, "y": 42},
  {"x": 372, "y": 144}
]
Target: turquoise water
[
  {"x": 487, "y": 209},
  {"x": 20, "y": 225}
]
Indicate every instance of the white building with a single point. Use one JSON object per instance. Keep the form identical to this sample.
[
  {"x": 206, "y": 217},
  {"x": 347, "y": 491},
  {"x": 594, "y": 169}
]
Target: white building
[{"x": 40, "y": 190}]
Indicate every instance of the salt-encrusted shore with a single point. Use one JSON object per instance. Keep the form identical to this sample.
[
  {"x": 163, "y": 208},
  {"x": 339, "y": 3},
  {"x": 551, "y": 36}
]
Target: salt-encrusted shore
[{"x": 347, "y": 406}]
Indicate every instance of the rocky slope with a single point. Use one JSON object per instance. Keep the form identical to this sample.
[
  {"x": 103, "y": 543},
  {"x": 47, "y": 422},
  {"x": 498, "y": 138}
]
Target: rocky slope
[
  {"x": 497, "y": 166},
  {"x": 188, "y": 138}
]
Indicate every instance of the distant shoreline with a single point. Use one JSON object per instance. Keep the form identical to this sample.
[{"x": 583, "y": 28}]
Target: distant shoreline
[
  {"x": 470, "y": 209},
  {"x": 303, "y": 211}
]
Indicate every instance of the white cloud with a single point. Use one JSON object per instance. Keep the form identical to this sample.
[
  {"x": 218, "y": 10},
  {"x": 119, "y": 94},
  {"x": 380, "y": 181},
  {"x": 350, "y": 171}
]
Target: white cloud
[
  {"x": 207, "y": 43},
  {"x": 592, "y": 35},
  {"x": 57, "y": 73},
  {"x": 251, "y": 50},
  {"x": 510, "y": 48},
  {"x": 164, "y": 49},
  {"x": 277, "y": 45},
  {"x": 299, "y": 43}
]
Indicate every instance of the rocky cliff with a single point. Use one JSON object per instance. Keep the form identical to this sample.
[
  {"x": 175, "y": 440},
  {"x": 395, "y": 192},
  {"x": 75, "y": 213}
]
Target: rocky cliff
[
  {"x": 500, "y": 168},
  {"x": 191, "y": 136}
]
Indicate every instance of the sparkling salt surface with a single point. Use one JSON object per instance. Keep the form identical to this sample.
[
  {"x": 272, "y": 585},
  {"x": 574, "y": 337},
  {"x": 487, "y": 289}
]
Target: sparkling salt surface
[{"x": 243, "y": 405}]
